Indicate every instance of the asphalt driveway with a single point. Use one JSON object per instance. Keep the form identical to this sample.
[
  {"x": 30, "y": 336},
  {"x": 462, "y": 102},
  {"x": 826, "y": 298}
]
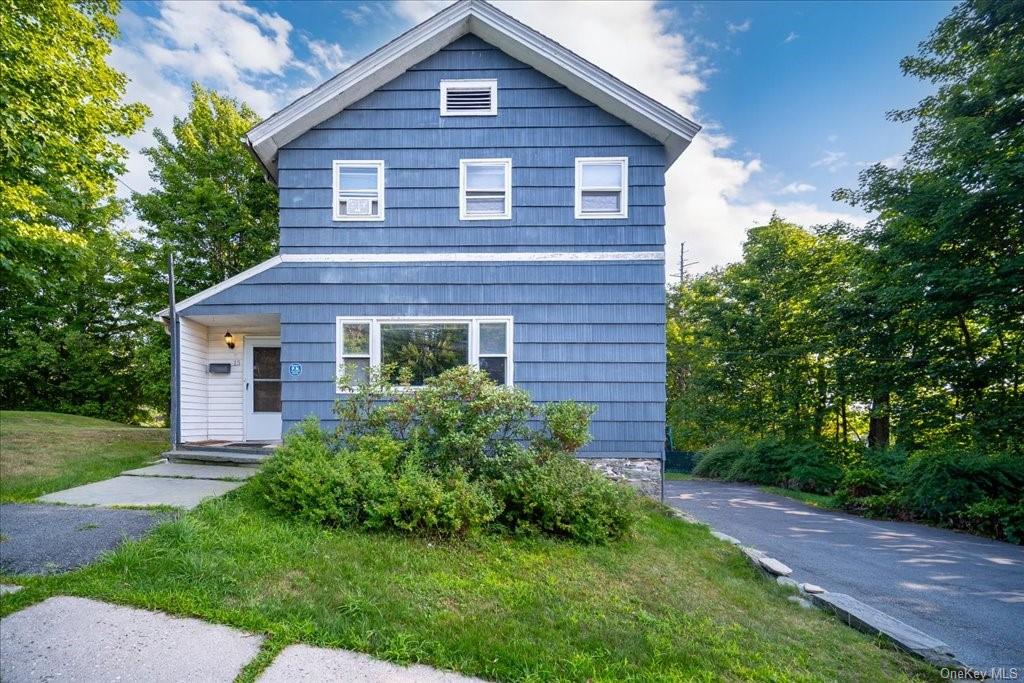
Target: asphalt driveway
[
  {"x": 47, "y": 539},
  {"x": 965, "y": 590}
]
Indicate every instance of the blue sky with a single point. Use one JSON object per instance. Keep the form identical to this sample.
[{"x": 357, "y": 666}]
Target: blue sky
[{"x": 792, "y": 95}]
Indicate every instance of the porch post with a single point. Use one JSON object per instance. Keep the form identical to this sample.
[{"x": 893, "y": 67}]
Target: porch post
[{"x": 175, "y": 421}]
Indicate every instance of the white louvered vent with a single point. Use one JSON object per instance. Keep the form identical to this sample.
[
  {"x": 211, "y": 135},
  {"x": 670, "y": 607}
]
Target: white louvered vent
[{"x": 469, "y": 98}]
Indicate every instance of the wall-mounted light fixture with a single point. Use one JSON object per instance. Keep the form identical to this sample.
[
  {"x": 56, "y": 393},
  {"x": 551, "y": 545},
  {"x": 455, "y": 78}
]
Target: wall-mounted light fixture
[{"x": 229, "y": 340}]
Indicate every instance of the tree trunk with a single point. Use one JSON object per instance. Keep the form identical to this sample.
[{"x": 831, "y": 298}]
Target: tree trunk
[{"x": 878, "y": 427}]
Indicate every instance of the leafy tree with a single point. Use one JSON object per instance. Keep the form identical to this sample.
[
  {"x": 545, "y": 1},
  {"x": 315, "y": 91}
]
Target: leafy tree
[
  {"x": 947, "y": 245},
  {"x": 211, "y": 206},
  {"x": 68, "y": 304},
  {"x": 752, "y": 347},
  {"x": 61, "y": 110}
]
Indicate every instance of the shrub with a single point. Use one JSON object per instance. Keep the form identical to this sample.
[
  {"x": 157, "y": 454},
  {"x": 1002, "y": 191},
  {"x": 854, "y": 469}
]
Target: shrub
[
  {"x": 563, "y": 496},
  {"x": 941, "y": 482},
  {"x": 805, "y": 466},
  {"x": 448, "y": 506},
  {"x": 718, "y": 461},
  {"x": 809, "y": 467},
  {"x": 448, "y": 460},
  {"x": 995, "y": 518},
  {"x": 566, "y": 427}
]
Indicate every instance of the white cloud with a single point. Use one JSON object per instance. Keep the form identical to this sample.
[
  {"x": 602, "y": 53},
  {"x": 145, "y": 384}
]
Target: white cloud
[
  {"x": 709, "y": 200},
  {"x": 797, "y": 188},
  {"x": 894, "y": 161},
  {"x": 232, "y": 47},
  {"x": 741, "y": 27},
  {"x": 357, "y": 15},
  {"x": 330, "y": 57},
  {"x": 790, "y": 37},
  {"x": 831, "y": 161},
  {"x": 248, "y": 53},
  {"x": 419, "y": 10}
]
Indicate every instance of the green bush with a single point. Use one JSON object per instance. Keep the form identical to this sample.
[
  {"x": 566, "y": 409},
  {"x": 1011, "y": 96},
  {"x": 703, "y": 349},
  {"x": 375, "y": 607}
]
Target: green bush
[
  {"x": 448, "y": 460},
  {"x": 805, "y": 466},
  {"x": 566, "y": 427},
  {"x": 717, "y": 462},
  {"x": 941, "y": 482},
  {"x": 809, "y": 467},
  {"x": 995, "y": 518},
  {"x": 562, "y": 496}
]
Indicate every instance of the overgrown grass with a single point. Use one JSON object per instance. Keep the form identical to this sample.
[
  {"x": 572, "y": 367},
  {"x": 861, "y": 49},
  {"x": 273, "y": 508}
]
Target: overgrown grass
[
  {"x": 815, "y": 499},
  {"x": 44, "y": 452},
  {"x": 669, "y": 603},
  {"x": 678, "y": 476}
]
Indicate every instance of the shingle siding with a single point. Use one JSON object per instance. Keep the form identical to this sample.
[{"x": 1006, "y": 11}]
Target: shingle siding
[
  {"x": 540, "y": 125},
  {"x": 591, "y": 330},
  {"x": 567, "y": 345}
]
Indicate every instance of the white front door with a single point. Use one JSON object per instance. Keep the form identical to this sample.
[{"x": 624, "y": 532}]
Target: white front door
[{"x": 262, "y": 388}]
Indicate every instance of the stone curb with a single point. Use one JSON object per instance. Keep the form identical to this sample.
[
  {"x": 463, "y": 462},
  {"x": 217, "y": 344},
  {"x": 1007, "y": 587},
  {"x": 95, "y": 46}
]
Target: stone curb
[
  {"x": 850, "y": 611},
  {"x": 866, "y": 618}
]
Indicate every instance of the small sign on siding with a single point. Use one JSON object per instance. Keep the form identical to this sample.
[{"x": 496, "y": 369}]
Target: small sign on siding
[{"x": 295, "y": 369}]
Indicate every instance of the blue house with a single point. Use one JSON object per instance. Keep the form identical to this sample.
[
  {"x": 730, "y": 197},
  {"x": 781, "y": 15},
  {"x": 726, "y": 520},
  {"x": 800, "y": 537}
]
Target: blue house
[{"x": 471, "y": 192}]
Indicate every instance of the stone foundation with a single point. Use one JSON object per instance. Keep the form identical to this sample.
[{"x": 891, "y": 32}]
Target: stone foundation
[{"x": 643, "y": 474}]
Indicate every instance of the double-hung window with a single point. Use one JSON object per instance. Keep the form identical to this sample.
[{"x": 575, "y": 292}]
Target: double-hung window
[
  {"x": 485, "y": 189},
  {"x": 420, "y": 348},
  {"x": 602, "y": 187},
  {"x": 358, "y": 190}
]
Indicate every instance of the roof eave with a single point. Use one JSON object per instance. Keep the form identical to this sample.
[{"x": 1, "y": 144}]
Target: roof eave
[{"x": 497, "y": 28}]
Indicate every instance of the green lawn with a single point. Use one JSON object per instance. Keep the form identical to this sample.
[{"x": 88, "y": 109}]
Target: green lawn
[
  {"x": 670, "y": 603},
  {"x": 678, "y": 476},
  {"x": 44, "y": 452}
]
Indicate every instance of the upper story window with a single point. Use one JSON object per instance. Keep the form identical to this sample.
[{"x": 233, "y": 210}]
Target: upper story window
[
  {"x": 358, "y": 190},
  {"x": 485, "y": 189},
  {"x": 469, "y": 97},
  {"x": 602, "y": 187}
]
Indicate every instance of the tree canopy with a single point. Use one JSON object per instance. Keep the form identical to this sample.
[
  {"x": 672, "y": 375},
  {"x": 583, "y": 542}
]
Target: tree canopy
[
  {"x": 911, "y": 328},
  {"x": 211, "y": 205}
]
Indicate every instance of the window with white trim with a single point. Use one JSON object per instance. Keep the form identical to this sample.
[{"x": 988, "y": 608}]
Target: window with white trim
[
  {"x": 469, "y": 97},
  {"x": 421, "y": 347},
  {"x": 485, "y": 189},
  {"x": 358, "y": 190},
  {"x": 602, "y": 187}
]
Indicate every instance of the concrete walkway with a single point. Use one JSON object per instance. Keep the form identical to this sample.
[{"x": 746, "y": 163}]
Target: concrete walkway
[
  {"x": 75, "y": 639},
  {"x": 173, "y": 484},
  {"x": 964, "y": 590}
]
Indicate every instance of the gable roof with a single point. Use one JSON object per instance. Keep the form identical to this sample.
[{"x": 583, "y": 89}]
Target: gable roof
[{"x": 503, "y": 32}]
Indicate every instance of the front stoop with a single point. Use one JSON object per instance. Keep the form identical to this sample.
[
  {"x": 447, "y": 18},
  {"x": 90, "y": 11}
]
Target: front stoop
[{"x": 218, "y": 456}]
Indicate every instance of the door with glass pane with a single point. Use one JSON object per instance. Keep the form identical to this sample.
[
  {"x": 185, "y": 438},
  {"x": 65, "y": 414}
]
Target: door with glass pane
[{"x": 263, "y": 389}]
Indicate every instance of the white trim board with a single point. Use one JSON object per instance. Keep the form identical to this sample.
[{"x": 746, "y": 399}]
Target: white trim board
[
  {"x": 495, "y": 27},
  {"x": 435, "y": 257}
]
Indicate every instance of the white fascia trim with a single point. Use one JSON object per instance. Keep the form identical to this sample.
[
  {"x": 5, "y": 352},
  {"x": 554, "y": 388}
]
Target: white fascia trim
[
  {"x": 221, "y": 286},
  {"x": 436, "y": 257},
  {"x": 497, "y": 28},
  {"x": 463, "y": 257}
]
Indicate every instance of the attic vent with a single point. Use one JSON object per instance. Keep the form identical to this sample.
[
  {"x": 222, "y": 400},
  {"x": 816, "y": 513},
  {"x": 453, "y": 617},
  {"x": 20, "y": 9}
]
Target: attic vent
[{"x": 469, "y": 98}]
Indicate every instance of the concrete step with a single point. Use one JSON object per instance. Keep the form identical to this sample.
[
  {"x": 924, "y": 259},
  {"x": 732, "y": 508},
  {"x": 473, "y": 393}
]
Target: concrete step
[{"x": 215, "y": 456}]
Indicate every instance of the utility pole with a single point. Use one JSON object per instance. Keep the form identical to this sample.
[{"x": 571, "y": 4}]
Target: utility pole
[{"x": 683, "y": 263}]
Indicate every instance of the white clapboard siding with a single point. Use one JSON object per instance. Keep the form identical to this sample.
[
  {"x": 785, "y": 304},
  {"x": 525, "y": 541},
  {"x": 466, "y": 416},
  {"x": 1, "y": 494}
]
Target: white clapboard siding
[
  {"x": 193, "y": 354},
  {"x": 225, "y": 392}
]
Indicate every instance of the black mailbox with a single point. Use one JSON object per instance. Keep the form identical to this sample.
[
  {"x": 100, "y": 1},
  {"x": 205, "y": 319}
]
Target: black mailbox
[{"x": 220, "y": 368}]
